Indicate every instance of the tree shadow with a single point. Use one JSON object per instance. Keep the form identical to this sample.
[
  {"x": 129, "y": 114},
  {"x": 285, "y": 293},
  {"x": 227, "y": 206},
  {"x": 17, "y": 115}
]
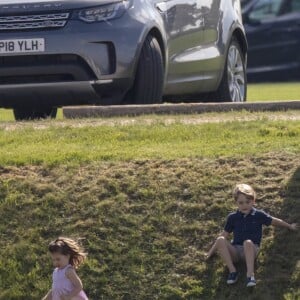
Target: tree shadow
[{"x": 278, "y": 273}]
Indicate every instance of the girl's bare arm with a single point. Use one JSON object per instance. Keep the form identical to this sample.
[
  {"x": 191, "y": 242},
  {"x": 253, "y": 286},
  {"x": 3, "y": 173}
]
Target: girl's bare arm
[{"x": 73, "y": 277}]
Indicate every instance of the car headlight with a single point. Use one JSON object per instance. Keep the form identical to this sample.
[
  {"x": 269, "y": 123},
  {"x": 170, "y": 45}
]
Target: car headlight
[{"x": 103, "y": 12}]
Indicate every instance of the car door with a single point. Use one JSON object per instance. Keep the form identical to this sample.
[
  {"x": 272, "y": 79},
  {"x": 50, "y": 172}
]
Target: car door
[
  {"x": 273, "y": 33},
  {"x": 214, "y": 40},
  {"x": 184, "y": 25}
]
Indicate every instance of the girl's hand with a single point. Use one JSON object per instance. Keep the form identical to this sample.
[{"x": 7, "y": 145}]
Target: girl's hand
[{"x": 294, "y": 226}]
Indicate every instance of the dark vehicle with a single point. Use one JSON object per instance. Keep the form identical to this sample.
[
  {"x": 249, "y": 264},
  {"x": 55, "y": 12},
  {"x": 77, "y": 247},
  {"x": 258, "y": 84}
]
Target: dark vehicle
[
  {"x": 273, "y": 34},
  {"x": 73, "y": 52}
]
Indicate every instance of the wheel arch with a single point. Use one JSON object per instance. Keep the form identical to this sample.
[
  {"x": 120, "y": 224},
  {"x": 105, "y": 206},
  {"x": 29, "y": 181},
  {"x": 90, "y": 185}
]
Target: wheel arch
[
  {"x": 240, "y": 36},
  {"x": 157, "y": 34}
]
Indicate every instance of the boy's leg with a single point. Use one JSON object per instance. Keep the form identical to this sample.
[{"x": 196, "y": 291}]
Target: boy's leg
[
  {"x": 227, "y": 252},
  {"x": 250, "y": 254}
]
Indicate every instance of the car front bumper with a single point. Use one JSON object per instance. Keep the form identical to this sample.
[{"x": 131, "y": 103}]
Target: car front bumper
[{"x": 82, "y": 63}]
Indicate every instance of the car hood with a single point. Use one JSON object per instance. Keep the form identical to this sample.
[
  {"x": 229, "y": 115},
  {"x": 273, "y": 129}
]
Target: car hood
[{"x": 33, "y": 6}]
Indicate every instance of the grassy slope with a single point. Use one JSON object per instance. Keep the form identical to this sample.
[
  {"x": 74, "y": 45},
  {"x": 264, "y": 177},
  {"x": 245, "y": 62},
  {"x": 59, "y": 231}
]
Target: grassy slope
[
  {"x": 146, "y": 222},
  {"x": 146, "y": 226}
]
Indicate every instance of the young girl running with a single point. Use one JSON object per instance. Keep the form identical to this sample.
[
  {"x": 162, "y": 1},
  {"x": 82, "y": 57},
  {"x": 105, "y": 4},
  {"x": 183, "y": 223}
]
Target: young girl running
[{"x": 66, "y": 256}]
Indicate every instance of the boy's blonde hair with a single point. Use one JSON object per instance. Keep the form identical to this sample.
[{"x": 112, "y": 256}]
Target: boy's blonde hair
[{"x": 244, "y": 189}]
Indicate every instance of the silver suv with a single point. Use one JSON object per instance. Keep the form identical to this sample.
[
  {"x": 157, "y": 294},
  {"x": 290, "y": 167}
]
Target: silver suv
[{"x": 74, "y": 52}]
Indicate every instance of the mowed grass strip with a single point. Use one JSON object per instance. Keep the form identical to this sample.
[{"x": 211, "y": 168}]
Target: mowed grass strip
[
  {"x": 56, "y": 145},
  {"x": 273, "y": 91},
  {"x": 146, "y": 226},
  {"x": 8, "y": 115}
]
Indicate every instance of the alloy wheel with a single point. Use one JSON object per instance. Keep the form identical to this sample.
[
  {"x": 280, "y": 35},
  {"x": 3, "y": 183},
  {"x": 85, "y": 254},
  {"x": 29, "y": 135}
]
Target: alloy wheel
[{"x": 236, "y": 75}]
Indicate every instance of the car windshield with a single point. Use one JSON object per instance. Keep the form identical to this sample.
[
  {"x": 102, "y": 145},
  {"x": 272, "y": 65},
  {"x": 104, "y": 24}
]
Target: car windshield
[{"x": 265, "y": 9}]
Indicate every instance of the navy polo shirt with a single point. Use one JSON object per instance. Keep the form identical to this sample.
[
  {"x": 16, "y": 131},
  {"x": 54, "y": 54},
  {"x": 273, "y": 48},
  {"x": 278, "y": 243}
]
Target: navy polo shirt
[{"x": 247, "y": 227}]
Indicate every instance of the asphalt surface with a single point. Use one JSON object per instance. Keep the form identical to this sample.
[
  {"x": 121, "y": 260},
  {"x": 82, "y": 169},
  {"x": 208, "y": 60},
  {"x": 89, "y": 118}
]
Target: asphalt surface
[{"x": 171, "y": 109}]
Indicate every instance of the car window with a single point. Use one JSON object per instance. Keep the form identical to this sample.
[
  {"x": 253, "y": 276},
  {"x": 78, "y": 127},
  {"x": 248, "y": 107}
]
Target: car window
[
  {"x": 265, "y": 9},
  {"x": 244, "y": 2},
  {"x": 295, "y": 6},
  {"x": 289, "y": 6}
]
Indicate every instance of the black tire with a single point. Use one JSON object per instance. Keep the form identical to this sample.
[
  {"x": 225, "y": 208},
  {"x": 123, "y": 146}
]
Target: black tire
[
  {"x": 31, "y": 113},
  {"x": 223, "y": 94},
  {"x": 149, "y": 77}
]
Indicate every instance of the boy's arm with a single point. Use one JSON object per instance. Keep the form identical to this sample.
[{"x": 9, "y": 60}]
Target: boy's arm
[
  {"x": 48, "y": 296},
  {"x": 213, "y": 249},
  {"x": 73, "y": 277},
  {"x": 281, "y": 223}
]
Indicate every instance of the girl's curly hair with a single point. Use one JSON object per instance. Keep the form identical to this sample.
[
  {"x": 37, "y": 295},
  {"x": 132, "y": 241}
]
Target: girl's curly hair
[{"x": 67, "y": 246}]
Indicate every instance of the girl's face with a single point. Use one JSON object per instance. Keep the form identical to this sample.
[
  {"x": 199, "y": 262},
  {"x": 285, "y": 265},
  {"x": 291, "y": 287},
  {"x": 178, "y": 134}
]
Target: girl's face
[
  {"x": 244, "y": 203},
  {"x": 59, "y": 260}
]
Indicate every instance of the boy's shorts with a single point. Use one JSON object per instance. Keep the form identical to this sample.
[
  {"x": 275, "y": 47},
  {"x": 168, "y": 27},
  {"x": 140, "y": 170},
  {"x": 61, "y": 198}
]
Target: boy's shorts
[{"x": 241, "y": 252}]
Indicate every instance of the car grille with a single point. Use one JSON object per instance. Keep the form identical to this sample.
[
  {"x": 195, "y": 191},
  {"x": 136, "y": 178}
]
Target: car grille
[
  {"x": 25, "y": 69},
  {"x": 26, "y": 22}
]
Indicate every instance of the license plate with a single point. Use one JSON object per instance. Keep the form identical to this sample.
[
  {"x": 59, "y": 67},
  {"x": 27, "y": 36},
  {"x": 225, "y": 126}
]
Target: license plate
[{"x": 22, "y": 45}]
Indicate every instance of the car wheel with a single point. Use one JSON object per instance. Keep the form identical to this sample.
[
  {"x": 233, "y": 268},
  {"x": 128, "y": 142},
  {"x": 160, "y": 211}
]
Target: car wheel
[
  {"x": 233, "y": 86},
  {"x": 33, "y": 113},
  {"x": 149, "y": 78}
]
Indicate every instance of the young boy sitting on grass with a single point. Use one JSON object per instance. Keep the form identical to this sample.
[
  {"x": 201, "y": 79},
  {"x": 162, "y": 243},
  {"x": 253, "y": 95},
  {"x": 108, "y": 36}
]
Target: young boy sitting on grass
[{"x": 246, "y": 225}]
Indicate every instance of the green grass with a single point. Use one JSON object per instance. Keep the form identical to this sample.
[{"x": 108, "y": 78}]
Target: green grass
[
  {"x": 8, "y": 115},
  {"x": 146, "y": 225},
  {"x": 148, "y": 199},
  {"x": 50, "y": 144},
  {"x": 273, "y": 91}
]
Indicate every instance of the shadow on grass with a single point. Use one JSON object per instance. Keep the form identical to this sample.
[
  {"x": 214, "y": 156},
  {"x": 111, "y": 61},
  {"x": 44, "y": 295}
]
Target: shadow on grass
[{"x": 278, "y": 272}]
